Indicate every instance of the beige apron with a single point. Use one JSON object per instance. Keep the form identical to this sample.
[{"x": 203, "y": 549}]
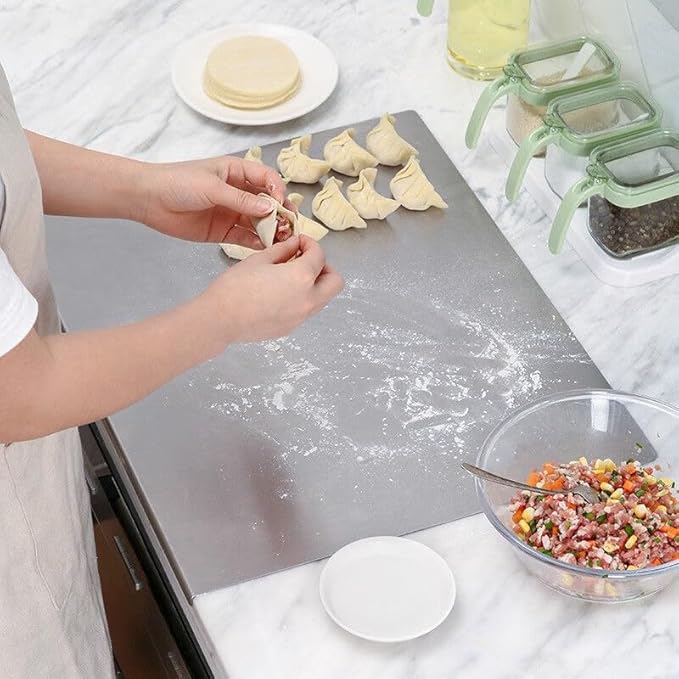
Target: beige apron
[{"x": 52, "y": 623}]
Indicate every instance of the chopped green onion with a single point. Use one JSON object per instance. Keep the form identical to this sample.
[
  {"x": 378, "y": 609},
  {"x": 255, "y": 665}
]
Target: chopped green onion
[
  {"x": 640, "y": 493},
  {"x": 638, "y": 445},
  {"x": 540, "y": 498},
  {"x": 629, "y": 530},
  {"x": 601, "y": 518},
  {"x": 614, "y": 474},
  {"x": 630, "y": 461},
  {"x": 549, "y": 525},
  {"x": 548, "y": 552},
  {"x": 589, "y": 515},
  {"x": 567, "y": 524},
  {"x": 532, "y": 525},
  {"x": 657, "y": 540},
  {"x": 676, "y": 539}
]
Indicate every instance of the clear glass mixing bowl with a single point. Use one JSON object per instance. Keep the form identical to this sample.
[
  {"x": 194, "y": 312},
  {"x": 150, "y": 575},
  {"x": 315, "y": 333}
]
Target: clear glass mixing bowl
[{"x": 596, "y": 424}]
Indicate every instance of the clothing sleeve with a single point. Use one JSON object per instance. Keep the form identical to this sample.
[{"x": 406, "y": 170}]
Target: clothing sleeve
[{"x": 18, "y": 308}]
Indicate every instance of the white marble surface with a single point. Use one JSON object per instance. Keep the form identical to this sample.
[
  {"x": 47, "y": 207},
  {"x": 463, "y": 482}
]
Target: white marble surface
[{"x": 98, "y": 74}]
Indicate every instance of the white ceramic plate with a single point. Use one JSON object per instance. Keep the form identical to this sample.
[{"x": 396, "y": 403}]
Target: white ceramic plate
[
  {"x": 317, "y": 64},
  {"x": 387, "y": 589}
]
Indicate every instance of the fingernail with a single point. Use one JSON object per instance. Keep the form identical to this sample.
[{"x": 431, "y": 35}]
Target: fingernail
[{"x": 264, "y": 205}]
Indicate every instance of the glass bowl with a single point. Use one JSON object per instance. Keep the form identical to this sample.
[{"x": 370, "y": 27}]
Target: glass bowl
[{"x": 594, "y": 424}]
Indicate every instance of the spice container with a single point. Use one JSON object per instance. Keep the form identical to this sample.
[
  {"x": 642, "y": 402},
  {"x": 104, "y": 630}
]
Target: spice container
[
  {"x": 576, "y": 124},
  {"x": 535, "y": 76},
  {"x": 632, "y": 189}
]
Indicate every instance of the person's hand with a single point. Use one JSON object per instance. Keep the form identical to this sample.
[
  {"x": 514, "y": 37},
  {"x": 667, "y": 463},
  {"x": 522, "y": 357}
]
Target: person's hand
[
  {"x": 209, "y": 200},
  {"x": 271, "y": 292}
]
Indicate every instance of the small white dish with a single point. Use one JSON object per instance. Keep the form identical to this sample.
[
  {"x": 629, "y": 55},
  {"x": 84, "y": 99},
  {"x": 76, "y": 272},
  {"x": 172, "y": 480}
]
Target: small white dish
[
  {"x": 387, "y": 589},
  {"x": 317, "y": 64}
]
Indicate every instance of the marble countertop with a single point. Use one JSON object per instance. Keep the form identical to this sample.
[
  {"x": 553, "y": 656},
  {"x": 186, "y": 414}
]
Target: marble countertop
[{"x": 97, "y": 74}]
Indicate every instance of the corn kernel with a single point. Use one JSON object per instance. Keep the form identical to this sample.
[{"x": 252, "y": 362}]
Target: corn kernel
[
  {"x": 528, "y": 514},
  {"x": 523, "y": 525},
  {"x": 610, "y": 547},
  {"x": 609, "y": 465},
  {"x": 631, "y": 541},
  {"x": 605, "y": 486},
  {"x": 661, "y": 509},
  {"x": 640, "y": 510},
  {"x": 650, "y": 480},
  {"x": 616, "y": 494},
  {"x": 613, "y": 501},
  {"x": 632, "y": 568},
  {"x": 598, "y": 464},
  {"x": 540, "y": 484},
  {"x": 664, "y": 492},
  {"x": 666, "y": 482},
  {"x": 583, "y": 461}
]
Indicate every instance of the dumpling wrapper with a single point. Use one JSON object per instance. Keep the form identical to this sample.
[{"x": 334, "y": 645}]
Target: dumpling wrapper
[
  {"x": 254, "y": 154},
  {"x": 296, "y": 166},
  {"x": 385, "y": 143},
  {"x": 307, "y": 227},
  {"x": 368, "y": 203},
  {"x": 266, "y": 227},
  {"x": 334, "y": 210},
  {"x": 413, "y": 190},
  {"x": 346, "y": 156}
]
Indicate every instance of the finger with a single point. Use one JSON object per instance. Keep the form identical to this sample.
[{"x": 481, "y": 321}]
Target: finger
[
  {"x": 238, "y": 200},
  {"x": 264, "y": 177},
  {"x": 239, "y": 235},
  {"x": 311, "y": 256},
  {"x": 279, "y": 253},
  {"x": 328, "y": 285}
]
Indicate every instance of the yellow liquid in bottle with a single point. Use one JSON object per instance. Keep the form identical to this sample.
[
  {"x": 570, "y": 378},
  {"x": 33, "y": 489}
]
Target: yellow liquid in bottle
[{"x": 482, "y": 34}]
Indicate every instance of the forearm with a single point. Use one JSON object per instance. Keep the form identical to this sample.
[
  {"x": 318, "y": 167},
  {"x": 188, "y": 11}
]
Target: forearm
[
  {"x": 79, "y": 182},
  {"x": 62, "y": 381}
]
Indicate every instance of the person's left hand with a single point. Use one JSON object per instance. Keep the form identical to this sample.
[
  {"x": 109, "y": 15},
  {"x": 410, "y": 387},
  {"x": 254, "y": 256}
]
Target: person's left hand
[{"x": 209, "y": 200}]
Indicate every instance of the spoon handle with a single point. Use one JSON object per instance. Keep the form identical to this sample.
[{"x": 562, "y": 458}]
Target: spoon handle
[{"x": 488, "y": 476}]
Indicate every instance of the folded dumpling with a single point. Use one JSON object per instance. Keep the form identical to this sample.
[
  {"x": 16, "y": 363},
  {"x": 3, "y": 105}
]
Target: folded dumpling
[
  {"x": 234, "y": 251},
  {"x": 334, "y": 210},
  {"x": 296, "y": 166},
  {"x": 279, "y": 225},
  {"x": 368, "y": 203},
  {"x": 385, "y": 143},
  {"x": 254, "y": 154},
  {"x": 346, "y": 156},
  {"x": 413, "y": 190},
  {"x": 308, "y": 227}
]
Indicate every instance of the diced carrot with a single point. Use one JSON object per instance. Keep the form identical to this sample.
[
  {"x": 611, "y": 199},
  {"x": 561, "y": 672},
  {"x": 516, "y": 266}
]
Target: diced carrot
[
  {"x": 672, "y": 532},
  {"x": 656, "y": 562},
  {"x": 628, "y": 486},
  {"x": 549, "y": 468},
  {"x": 675, "y": 556},
  {"x": 516, "y": 516},
  {"x": 582, "y": 554},
  {"x": 630, "y": 469},
  {"x": 559, "y": 483},
  {"x": 572, "y": 505},
  {"x": 533, "y": 479},
  {"x": 554, "y": 530}
]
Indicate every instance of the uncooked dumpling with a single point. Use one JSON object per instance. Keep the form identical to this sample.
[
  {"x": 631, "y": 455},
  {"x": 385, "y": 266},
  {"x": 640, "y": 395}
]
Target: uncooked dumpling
[
  {"x": 346, "y": 156},
  {"x": 254, "y": 154},
  {"x": 308, "y": 227},
  {"x": 279, "y": 225},
  {"x": 296, "y": 166},
  {"x": 385, "y": 143},
  {"x": 368, "y": 203},
  {"x": 334, "y": 210},
  {"x": 234, "y": 251},
  {"x": 413, "y": 190}
]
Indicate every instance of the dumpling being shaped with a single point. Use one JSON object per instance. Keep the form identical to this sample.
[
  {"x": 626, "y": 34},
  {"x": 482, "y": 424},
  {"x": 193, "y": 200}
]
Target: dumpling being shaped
[
  {"x": 279, "y": 225},
  {"x": 308, "y": 227},
  {"x": 254, "y": 154},
  {"x": 368, "y": 203},
  {"x": 413, "y": 190},
  {"x": 296, "y": 166},
  {"x": 346, "y": 156},
  {"x": 385, "y": 143},
  {"x": 239, "y": 252},
  {"x": 334, "y": 210}
]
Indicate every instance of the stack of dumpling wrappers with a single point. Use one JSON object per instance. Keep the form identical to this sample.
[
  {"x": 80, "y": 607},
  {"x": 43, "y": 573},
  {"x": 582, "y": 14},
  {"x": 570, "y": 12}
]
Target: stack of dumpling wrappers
[{"x": 410, "y": 187}]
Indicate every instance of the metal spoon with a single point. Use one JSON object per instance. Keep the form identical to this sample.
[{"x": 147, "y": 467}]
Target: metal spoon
[{"x": 587, "y": 493}]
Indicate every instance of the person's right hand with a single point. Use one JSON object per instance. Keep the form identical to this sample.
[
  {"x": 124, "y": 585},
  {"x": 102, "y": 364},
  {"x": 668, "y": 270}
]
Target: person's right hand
[{"x": 269, "y": 294}]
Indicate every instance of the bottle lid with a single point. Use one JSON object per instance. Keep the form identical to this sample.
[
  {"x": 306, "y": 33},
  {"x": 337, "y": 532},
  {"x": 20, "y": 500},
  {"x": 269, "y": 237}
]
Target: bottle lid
[
  {"x": 580, "y": 122},
  {"x": 631, "y": 173},
  {"x": 539, "y": 74}
]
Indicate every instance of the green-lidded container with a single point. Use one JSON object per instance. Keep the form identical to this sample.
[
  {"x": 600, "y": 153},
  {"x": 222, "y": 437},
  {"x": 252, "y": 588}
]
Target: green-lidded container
[
  {"x": 574, "y": 125},
  {"x": 632, "y": 191},
  {"x": 534, "y": 76}
]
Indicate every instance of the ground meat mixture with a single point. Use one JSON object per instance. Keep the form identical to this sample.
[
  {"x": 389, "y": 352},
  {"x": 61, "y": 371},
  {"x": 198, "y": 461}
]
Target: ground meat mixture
[
  {"x": 283, "y": 229},
  {"x": 635, "y": 525}
]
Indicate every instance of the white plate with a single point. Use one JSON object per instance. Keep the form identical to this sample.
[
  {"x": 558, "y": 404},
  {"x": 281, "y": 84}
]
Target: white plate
[
  {"x": 387, "y": 589},
  {"x": 317, "y": 64}
]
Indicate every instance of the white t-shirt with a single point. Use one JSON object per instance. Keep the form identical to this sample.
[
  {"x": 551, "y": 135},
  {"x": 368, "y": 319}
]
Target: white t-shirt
[{"x": 18, "y": 308}]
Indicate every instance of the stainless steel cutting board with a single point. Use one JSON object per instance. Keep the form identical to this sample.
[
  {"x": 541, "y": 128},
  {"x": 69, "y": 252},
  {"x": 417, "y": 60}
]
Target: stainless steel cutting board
[{"x": 279, "y": 453}]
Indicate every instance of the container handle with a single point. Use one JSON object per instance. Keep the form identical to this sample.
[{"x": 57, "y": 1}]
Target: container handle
[
  {"x": 535, "y": 141},
  {"x": 488, "y": 97},
  {"x": 575, "y": 196}
]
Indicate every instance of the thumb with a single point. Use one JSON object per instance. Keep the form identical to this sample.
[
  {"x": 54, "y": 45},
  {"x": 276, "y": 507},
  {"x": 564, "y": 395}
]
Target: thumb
[
  {"x": 279, "y": 253},
  {"x": 241, "y": 202}
]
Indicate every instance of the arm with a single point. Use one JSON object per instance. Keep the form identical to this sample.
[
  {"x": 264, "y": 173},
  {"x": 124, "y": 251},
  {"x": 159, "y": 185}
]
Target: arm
[{"x": 50, "y": 383}]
